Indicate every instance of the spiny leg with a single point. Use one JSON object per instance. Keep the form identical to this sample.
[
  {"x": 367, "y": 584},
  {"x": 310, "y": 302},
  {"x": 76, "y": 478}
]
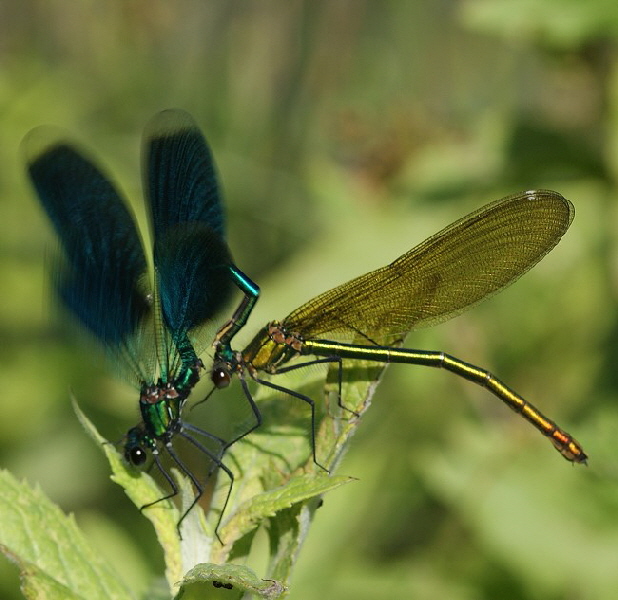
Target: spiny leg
[
  {"x": 256, "y": 413},
  {"x": 217, "y": 461},
  {"x": 212, "y": 436},
  {"x": 189, "y": 474},
  {"x": 306, "y": 399},
  {"x": 169, "y": 480},
  {"x": 327, "y": 360}
]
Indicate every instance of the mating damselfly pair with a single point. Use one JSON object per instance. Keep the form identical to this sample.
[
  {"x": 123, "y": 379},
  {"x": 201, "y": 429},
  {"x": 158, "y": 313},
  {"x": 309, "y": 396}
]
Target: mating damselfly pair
[{"x": 150, "y": 320}]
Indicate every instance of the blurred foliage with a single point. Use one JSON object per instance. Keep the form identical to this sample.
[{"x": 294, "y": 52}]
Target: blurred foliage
[{"x": 345, "y": 132}]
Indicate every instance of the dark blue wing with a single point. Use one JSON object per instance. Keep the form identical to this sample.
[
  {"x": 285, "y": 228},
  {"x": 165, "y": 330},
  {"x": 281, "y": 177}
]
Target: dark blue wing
[
  {"x": 104, "y": 259},
  {"x": 179, "y": 174},
  {"x": 193, "y": 274},
  {"x": 191, "y": 256}
]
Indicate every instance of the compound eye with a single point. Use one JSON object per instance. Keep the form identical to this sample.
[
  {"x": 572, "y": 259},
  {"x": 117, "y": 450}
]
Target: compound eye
[
  {"x": 220, "y": 377},
  {"x": 136, "y": 456}
]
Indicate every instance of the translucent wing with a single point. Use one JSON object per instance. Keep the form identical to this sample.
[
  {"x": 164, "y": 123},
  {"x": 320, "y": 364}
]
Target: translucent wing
[{"x": 468, "y": 261}]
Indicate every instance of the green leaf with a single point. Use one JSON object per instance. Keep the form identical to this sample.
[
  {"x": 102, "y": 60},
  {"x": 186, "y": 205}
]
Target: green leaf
[
  {"x": 54, "y": 559},
  {"x": 241, "y": 578},
  {"x": 287, "y": 534},
  {"x": 142, "y": 489},
  {"x": 277, "y": 483},
  {"x": 267, "y": 504},
  {"x": 36, "y": 584}
]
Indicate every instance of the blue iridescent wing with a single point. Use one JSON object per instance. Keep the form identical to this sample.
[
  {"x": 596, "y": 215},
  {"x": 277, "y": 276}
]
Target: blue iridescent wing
[
  {"x": 179, "y": 174},
  {"x": 98, "y": 280},
  {"x": 193, "y": 274},
  {"x": 191, "y": 256}
]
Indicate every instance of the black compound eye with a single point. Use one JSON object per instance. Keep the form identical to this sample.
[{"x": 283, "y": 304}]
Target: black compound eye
[
  {"x": 220, "y": 377},
  {"x": 136, "y": 456}
]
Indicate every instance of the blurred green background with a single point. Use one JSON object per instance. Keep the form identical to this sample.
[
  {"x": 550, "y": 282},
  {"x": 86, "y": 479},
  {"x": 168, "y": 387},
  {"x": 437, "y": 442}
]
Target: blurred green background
[{"x": 345, "y": 132}]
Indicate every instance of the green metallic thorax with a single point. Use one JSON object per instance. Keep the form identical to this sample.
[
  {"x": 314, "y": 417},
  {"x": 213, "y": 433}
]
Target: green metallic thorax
[
  {"x": 161, "y": 403},
  {"x": 158, "y": 417}
]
